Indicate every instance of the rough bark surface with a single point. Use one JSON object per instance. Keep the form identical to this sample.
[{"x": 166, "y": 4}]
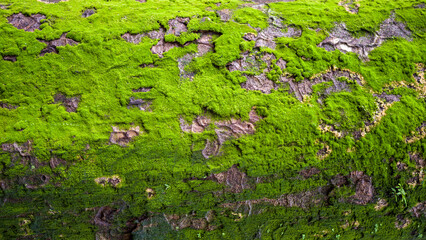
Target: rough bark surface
[{"x": 27, "y": 23}]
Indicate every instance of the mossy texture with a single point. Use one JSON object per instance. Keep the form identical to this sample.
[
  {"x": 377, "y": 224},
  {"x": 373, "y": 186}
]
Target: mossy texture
[{"x": 98, "y": 125}]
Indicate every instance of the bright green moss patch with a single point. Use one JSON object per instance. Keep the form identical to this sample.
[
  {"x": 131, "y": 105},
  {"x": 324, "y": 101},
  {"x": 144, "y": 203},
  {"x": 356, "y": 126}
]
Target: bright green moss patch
[
  {"x": 253, "y": 17},
  {"x": 60, "y": 165},
  {"x": 348, "y": 110}
]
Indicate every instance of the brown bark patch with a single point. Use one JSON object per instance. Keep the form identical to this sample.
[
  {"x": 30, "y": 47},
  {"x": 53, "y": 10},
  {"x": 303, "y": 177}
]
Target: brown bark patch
[
  {"x": 235, "y": 180},
  {"x": 229, "y": 129},
  {"x": 419, "y": 210},
  {"x": 143, "y": 105},
  {"x": 27, "y": 23},
  {"x": 178, "y": 26},
  {"x": 9, "y": 58},
  {"x": 123, "y": 137},
  {"x": 7, "y": 105},
  {"x": 340, "y": 38},
  {"x": 88, "y": 12},
  {"x": 309, "y": 172},
  {"x": 142, "y": 89},
  {"x": 364, "y": 189},
  {"x": 60, "y": 42},
  {"x": 105, "y": 216},
  {"x": 70, "y": 103},
  {"x": 112, "y": 181}
]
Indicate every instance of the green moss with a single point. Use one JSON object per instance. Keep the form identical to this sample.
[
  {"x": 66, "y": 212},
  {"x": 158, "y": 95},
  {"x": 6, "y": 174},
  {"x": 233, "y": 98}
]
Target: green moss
[
  {"x": 251, "y": 16},
  {"x": 104, "y": 69},
  {"x": 348, "y": 110}
]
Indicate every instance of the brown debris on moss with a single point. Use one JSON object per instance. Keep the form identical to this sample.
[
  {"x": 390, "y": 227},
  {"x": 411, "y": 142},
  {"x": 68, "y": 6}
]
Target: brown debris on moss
[
  {"x": 401, "y": 166},
  {"x": 132, "y": 38},
  {"x": 113, "y": 181},
  {"x": 88, "y": 12},
  {"x": 9, "y": 58},
  {"x": 417, "y": 159},
  {"x": 309, "y": 172},
  {"x": 27, "y": 23},
  {"x": 104, "y": 219},
  {"x": 60, "y": 42},
  {"x": 353, "y": 224},
  {"x": 56, "y": 162},
  {"x": 162, "y": 47},
  {"x": 32, "y": 181},
  {"x": 142, "y": 89},
  {"x": 419, "y": 84},
  {"x": 324, "y": 152},
  {"x": 22, "y": 154},
  {"x": 339, "y": 180},
  {"x": 7, "y": 105},
  {"x": 123, "y": 137},
  {"x": 419, "y": 210},
  {"x": 212, "y": 148},
  {"x": 205, "y": 44},
  {"x": 351, "y": 6},
  {"x": 402, "y": 222},
  {"x": 419, "y": 75},
  {"x": 381, "y": 204},
  {"x": 150, "y": 193},
  {"x": 51, "y": 1}
]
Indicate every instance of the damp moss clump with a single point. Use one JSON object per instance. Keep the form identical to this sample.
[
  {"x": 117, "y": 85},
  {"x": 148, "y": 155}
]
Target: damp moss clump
[{"x": 212, "y": 119}]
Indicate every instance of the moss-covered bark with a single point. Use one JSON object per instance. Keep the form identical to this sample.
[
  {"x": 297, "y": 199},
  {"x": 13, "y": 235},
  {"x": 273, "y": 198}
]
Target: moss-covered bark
[{"x": 94, "y": 124}]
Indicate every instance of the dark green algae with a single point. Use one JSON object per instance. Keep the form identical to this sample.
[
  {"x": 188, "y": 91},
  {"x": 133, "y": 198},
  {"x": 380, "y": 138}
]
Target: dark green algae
[{"x": 103, "y": 69}]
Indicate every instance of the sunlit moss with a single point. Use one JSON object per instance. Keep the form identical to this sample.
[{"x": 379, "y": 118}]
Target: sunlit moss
[{"x": 163, "y": 169}]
